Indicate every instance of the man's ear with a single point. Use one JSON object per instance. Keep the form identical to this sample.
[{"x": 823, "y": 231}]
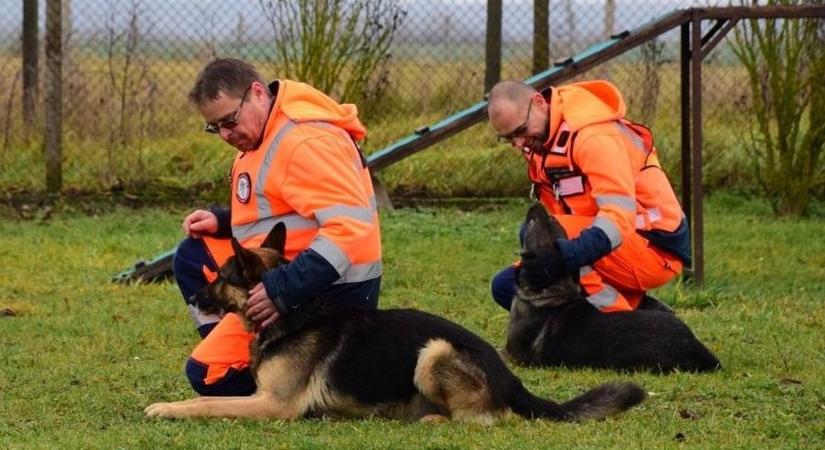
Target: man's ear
[
  {"x": 538, "y": 100},
  {"x": 276, "y": 239}
]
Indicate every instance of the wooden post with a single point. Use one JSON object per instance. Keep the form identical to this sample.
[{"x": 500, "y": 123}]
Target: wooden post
[
  {"x": 541, "y": 35},
  {"x": 697, "y": 195},
  {"x": 54, "y": 78},
  {"x": 492, "y": 53},
  {"x": 30, "y": 53}
]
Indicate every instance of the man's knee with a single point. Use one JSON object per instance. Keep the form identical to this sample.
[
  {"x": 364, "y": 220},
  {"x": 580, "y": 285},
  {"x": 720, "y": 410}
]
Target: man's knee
[
  {"x": 190, "y": 257},
  {"x": 503, "y": 287},
  {"x": 187, "y": 265},
  {"x": 231, "y": 382}
]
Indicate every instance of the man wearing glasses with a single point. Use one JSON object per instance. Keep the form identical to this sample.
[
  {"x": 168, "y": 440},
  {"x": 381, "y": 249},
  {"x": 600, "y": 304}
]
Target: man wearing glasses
[
  {"x": 599, "y": 175},
  {"x": 298, "y": 163}
]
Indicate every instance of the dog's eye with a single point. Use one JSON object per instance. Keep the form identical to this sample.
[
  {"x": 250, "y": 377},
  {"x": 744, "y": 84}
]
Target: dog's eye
[{"x": 234, "y": 279}]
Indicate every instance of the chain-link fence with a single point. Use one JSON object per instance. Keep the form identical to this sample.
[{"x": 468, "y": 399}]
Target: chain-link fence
[{"x": 128, "y": 65}]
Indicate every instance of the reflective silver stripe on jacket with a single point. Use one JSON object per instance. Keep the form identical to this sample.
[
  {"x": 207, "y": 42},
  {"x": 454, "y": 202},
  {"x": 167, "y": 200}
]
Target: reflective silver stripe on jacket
[
  {"x": 634, "y": 138},
  {"x": 653, "y": 215},
  {"x": 332, "y": 253},
  {"x": 360, "y": 213},
  {"x": 361, "y": 272},
  {"x": 604, "y": 298},
  {"x": 264, "y": 207},
  {"x": 292, "y": 221},
  {"x": 622, "y": 201},
  {"x": 348, "y": 272},
  {"x": 610, "y": 229}
]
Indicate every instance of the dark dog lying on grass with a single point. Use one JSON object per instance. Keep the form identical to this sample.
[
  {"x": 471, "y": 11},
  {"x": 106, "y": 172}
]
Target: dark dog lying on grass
[
  {"x": 558, "y": 327},
  {"x": 329, "y": 359}
]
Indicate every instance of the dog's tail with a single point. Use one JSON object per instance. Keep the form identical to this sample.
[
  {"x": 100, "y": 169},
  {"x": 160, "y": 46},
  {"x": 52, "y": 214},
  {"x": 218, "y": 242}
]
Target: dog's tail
[
  {"x": 605, "y": 400},
  {"x": 600, "y": 402}
]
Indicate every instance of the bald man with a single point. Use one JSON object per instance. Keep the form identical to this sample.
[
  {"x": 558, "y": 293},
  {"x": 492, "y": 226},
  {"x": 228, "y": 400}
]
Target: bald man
[{"x": 599, "y": 175}]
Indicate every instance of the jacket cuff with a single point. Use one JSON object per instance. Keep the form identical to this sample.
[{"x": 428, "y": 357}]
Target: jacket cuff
[
  {"x": 224, "y": 222},
  {"x": 306, "y": 277},
  {"x": 567, "y": 248},
  {"x": 585, "y": 250}
]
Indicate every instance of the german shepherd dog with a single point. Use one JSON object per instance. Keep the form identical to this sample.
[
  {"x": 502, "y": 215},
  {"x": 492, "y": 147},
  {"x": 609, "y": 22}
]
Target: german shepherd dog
[
  {"x": 328, "y": 359},
  {"x": 556, "y": 326}
]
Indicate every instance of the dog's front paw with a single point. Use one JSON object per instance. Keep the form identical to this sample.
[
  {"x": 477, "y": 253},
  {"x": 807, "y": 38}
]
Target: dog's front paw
[{"x": 165, "y": 410}]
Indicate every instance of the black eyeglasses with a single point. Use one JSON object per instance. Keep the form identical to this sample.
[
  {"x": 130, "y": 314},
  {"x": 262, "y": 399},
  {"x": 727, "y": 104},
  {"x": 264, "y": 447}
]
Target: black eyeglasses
[
  {"x": 227, "y": 122},
  {"x": 519, "y": 131}
]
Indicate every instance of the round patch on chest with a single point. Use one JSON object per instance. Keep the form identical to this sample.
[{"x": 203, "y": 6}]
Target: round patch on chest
[{"x": 243, "y": 187}]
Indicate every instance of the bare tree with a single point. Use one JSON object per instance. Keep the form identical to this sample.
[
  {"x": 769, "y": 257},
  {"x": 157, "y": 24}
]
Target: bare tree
[
  {"x": 207, "y": 33},
  {"x": 653, "y": 59},
  {"x": 785, "y": 62},
  {"x": 132, "y": 88},
  {"x": 239, "y": 38},
  {"x": 7, "y": 124},
  {"x": 339, "y": 46},
  {"x": 609, "y": 17},
  {"x": 570, "y": 19}
]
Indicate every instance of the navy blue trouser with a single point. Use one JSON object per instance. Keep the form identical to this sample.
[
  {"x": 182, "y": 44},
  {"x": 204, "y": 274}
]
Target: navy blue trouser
[{"x": 190, "y": 258}]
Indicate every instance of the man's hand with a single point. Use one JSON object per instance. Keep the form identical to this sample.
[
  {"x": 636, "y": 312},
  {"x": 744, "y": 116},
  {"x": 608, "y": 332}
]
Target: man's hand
[
  {"x": 542, "y": 267},
  {"x": 199, "y": 223},
  {"x": 260, "y": 308}
]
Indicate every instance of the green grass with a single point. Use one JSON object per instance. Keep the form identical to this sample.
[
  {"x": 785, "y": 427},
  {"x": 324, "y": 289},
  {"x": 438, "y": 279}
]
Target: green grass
[{"x": 83, "y": 356}]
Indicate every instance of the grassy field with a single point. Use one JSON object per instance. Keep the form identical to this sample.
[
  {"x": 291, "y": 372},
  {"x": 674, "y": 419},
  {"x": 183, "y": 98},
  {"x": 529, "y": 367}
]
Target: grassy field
[{"x": 81, "y": 357}]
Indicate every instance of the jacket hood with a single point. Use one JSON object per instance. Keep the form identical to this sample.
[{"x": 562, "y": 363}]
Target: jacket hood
[
  {"x": 589, "y": 102},
  {"x": 303, "y": 103}
]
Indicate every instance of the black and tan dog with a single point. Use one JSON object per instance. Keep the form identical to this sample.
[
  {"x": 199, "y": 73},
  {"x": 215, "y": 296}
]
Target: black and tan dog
[
  {"x": 332, "y": 360},
  {"x": 558, "y": 327}
]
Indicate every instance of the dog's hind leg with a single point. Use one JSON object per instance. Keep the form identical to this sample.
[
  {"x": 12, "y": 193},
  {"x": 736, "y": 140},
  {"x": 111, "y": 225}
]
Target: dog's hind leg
[
  {"x": 454, "y": 383},
  {"x": 259, "y": 406}
]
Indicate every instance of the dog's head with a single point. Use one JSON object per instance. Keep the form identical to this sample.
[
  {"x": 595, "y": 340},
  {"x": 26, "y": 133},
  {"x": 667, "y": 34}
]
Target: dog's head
[
  {"x": 541, "y": 231},
  {"x": 241, "y": 272}
]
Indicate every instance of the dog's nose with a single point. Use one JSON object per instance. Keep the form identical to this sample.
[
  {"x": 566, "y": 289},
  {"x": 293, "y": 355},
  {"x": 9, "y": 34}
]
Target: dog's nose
[{"x": 193, "y": 299}]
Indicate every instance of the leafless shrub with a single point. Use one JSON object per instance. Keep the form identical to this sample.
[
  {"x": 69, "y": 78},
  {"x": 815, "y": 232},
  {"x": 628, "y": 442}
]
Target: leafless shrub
[{"x": 338, "y": 46}]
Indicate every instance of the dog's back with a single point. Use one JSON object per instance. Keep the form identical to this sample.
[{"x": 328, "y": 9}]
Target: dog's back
[
  {"x": 409, "y": 364},
  {"x": 655, "y": 340}
]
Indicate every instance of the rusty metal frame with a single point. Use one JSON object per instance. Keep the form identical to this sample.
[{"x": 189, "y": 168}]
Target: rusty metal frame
[{"x": 694, "y": 48}]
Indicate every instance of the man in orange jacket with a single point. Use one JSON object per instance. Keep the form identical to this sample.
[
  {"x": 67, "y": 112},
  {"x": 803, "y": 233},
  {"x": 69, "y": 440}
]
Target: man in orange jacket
[
  {"x": 599, "y": 175},
  {"x": 298, "y": 163}
]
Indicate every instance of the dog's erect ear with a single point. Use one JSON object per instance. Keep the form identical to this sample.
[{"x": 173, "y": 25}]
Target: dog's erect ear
[
  {"x": 276, "y": 239},
  {"x": 242, "y": 256}
]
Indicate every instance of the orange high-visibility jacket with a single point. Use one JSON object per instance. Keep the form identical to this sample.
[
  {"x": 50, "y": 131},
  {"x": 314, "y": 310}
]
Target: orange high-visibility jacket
[
  {"x": 309, "y": 174},
  {"x": 596, "y": 163}
]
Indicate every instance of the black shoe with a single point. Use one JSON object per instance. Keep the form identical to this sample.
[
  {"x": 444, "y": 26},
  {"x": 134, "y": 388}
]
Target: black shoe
[{"x": 652, "y": 304}]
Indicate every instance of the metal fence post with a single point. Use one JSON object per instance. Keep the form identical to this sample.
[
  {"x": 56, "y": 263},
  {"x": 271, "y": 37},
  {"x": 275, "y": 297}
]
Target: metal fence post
[
  {"x": 54, "y": 99},
  {"x": 492, "y": 53},
  {"x": 29, "y": 50},
  {"x": 541, "y": 35}
]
